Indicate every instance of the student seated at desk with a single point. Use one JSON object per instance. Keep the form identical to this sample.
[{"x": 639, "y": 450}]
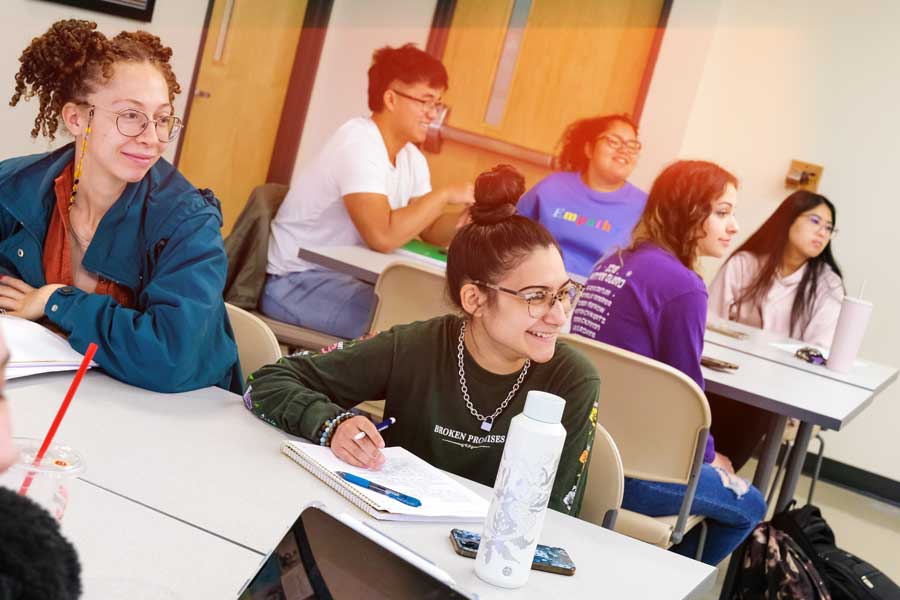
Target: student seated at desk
[
  {"x": 368, "y": 186},
  {"x": 454, "y": 382},
  {"x": 783, "y": 279},
  {"x": 655, "y": 305},
  {"x": 590, "y": 207},
  {"x": 36, "y": 561},
  {"x": 101, "y": 237}
]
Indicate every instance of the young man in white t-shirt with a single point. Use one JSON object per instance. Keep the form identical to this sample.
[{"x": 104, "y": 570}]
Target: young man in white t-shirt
[{"x": 368, "y": 186}]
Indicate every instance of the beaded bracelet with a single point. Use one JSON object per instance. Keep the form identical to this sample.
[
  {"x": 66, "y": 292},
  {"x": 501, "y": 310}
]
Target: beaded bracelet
[{"x": 330, "y": 426}]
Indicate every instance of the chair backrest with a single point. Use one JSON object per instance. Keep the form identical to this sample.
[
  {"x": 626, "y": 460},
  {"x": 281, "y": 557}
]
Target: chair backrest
[
  {"x": 657, "y": 415},
  {"x": 605, "y": 483},
  {"x": 408, "y": 292},
  {"x": 256, "y": 343}
]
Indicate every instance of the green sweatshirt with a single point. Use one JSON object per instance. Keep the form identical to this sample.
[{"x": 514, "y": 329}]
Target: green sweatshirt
[{"x": 414, "y": 368}]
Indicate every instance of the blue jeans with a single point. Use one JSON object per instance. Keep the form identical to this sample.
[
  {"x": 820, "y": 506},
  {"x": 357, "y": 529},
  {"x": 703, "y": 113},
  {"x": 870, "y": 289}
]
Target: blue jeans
[
  {"x": 320, "y": 299},
  {"x": 729, "y": 519}
]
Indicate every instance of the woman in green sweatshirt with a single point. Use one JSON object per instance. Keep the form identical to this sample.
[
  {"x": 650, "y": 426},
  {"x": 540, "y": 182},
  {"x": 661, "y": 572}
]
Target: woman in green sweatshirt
[{"x": 454, "y": 382}]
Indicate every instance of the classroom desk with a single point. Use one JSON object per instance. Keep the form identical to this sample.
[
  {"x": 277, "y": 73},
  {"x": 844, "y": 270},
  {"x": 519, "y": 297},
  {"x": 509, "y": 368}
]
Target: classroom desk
[
  {"x": 202, "y": 458},
  {"x": 366, "y": 264},
  {"x": 359, "y": 262},
  {"x": 130, "y": 552},
  {"x": 775, "y": 384},
  {"x": 764, "y": 344}
]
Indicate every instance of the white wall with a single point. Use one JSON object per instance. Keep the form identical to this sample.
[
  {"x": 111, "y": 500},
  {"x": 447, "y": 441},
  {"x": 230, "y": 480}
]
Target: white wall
[
  {"x": 355, "y": 30},
  {"x": 177, "y": 22},
  {"x": 812, "y": 80}
]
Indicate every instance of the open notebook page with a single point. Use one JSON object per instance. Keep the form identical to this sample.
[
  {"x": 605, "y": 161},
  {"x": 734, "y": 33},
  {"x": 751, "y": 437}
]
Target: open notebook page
[{"x": 405, "y": 472}]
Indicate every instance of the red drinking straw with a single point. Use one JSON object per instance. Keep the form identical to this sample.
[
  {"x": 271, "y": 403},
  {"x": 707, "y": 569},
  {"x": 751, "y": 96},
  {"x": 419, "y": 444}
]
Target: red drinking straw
[{"x": 48, "y": 439}]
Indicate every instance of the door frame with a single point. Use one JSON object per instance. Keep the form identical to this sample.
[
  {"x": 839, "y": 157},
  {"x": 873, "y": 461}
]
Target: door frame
[{"x": 298, "y": 94}]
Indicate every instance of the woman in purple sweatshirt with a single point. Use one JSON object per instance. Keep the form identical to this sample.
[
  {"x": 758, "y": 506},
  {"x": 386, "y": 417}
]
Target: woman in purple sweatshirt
[{"x": 649, "y": 299}]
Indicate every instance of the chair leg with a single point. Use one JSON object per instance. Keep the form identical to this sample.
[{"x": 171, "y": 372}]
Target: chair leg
[
  {"x": 815, "y": 476},
  {"x": 785, "y": 453},
  {"x": 701, "y": 543}
]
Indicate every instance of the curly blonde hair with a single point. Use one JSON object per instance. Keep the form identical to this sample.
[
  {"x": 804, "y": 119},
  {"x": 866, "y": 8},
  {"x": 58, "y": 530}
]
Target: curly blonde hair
[
  {"x": 71, "y": 58},
  {"x": 678, "y": 205}
]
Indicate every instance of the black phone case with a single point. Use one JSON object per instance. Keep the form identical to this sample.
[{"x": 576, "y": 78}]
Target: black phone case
[{"x": 463, "y": 547}]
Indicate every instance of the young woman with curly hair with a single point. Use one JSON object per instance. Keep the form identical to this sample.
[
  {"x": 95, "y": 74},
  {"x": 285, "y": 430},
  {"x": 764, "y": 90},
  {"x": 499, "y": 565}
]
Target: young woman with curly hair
[
  {"x": 589, "y": 206},
  {"x": 103, "y": 238},
  {"x": 650, "y": 300}
]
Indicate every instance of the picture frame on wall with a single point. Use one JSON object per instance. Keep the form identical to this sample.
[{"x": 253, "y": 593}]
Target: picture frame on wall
[{"x": 140, "y": 10}]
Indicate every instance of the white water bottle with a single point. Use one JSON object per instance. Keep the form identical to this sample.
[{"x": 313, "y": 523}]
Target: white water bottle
[{"x": 521, "y": 492}]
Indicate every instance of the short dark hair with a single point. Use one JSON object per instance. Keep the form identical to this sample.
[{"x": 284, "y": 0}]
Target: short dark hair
[
  {"x": 497, "y": 239},
  {"x": 679, "y": 203},
  {"x": 407, "y": 64},
  {"x": 585, "y": 131}
]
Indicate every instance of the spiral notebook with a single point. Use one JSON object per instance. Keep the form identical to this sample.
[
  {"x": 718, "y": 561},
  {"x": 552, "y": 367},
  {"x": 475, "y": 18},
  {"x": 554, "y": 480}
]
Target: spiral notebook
[{"x": 443, "y": 499}]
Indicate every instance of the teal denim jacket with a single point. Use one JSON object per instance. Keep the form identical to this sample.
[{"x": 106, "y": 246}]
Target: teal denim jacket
[{"x": 162, "y": 240}]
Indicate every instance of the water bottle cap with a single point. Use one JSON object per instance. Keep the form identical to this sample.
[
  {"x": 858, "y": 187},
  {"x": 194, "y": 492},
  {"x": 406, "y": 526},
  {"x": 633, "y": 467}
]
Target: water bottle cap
[{"x": 544, "y": 407}]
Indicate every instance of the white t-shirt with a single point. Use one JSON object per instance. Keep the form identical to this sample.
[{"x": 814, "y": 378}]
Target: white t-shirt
[{"x": 354, "y": 160}]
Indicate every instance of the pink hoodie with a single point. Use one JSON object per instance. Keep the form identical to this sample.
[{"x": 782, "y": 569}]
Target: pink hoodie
[{"x": 775, "y": 313}]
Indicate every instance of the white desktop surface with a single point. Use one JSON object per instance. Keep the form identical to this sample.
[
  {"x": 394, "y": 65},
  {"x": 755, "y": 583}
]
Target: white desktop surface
[
  {"x": 203, "y": 458},
  {"x": 784, "y": 390},
  {"x": 129, "y": 552},
  {"x": 762, "y": 344}
]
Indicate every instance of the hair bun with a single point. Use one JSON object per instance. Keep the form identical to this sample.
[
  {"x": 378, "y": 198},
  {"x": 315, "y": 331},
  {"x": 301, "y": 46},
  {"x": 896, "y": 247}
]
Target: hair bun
[{"x": 496, "y": 193}]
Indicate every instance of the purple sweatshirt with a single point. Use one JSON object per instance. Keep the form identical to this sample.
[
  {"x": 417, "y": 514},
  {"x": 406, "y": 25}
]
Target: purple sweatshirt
[{"x": 644, "y": 300}]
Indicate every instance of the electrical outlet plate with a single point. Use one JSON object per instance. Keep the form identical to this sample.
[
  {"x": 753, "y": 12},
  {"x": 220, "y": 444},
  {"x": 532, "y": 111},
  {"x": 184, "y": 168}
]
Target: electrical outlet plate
[{"x": 813, "y": 170}]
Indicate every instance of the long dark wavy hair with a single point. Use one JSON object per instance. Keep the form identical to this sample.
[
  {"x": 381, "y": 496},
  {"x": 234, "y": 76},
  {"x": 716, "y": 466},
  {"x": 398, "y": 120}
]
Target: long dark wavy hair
[
  {"x": 768, "y": 244},
  {"x": 678, "y": 205}
]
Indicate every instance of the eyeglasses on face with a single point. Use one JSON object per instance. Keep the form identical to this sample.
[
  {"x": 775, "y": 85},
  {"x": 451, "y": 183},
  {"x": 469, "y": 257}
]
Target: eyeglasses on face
[
  {"x": 616, "y": 142},
  {"x": 427, "y": 105},
  {"x": 540, "y": 300},
  {"x": 819, "y": 224},
  {"x": 132, "y": 122}
]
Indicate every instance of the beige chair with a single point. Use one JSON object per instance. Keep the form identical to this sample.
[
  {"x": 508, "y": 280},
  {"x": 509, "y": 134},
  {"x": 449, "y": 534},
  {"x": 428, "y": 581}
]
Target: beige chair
[
  {"x": 605, "y": 483},
  {"x": 660, "y": 421},
  {"x": 256, "y": 343},
  {"x": 406, "y": 292}
]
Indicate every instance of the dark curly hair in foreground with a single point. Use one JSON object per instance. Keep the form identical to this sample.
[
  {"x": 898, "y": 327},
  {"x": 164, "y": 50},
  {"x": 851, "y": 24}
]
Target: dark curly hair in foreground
[
  {"x": 36, "y": 561},
  {"x": 71, "y": 58}
]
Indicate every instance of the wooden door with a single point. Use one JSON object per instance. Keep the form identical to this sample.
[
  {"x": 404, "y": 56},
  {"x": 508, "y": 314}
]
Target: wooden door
[
  {"x": 244, "y": 74},
  {"x": 577, "y": 58}
]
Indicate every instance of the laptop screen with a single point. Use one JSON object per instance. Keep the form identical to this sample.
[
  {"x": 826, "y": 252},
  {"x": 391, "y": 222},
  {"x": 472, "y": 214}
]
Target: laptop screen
[{"x": 321, "y": 558}]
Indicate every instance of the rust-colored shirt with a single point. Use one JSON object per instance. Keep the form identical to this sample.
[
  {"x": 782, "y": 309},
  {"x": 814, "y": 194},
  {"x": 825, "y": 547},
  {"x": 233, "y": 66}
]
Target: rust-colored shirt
[{"x": 63, "y": 252}]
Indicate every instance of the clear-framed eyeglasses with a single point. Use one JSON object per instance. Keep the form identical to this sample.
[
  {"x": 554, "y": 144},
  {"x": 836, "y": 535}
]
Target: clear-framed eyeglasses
[
  {"x": 132, "y": 122},
  {"x": 540, "y": 300},
  {"x": 819, "y": 224}
]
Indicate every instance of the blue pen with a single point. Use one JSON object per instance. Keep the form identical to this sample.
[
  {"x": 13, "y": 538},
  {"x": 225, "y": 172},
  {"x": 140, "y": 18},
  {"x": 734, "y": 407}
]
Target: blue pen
[
  {"x": 379, "y": 427},
  {"x": 371, "y": 485}
]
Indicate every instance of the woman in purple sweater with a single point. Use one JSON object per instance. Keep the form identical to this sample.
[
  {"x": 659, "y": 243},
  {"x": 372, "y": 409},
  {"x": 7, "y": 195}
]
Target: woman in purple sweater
[{"x": 649, "y": 299}]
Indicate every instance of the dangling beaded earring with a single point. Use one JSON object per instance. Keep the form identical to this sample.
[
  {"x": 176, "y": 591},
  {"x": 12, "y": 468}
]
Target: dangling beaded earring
[{"x": 80, "y": 164}]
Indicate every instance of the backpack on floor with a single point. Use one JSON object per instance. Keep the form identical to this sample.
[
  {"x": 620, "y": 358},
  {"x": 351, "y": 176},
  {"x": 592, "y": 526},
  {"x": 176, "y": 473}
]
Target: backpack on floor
[
  {"x": 847, "y": 576},
  {"x": 774, "y": 567}
]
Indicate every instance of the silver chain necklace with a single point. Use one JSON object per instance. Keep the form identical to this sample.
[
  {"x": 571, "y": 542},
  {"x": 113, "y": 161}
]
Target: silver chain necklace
[{"x": 486, "y": 422}]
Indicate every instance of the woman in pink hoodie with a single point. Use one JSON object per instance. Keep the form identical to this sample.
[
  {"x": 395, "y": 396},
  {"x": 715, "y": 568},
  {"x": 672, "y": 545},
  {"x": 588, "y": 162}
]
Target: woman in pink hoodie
[{"x": 783, "y": 279}]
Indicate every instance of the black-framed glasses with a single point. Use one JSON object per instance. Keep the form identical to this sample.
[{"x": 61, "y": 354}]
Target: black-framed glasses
[
  {"x": 427, "y": 105},
  {"x": 616, "y": 142},
  {"x": 132, "y": 122},
  {"x": 540, "y": 300},
  {"x": 818, "y": 223}
]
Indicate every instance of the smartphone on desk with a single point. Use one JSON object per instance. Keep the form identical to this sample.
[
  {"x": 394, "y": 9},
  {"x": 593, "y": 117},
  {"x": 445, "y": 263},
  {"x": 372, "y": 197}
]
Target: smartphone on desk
[{"x": 546, "y": 558}]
